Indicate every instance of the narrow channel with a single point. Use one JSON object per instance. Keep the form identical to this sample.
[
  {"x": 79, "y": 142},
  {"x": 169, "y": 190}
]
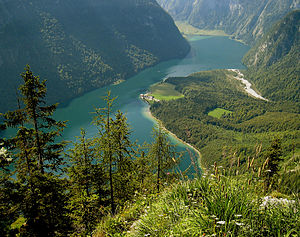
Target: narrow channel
[{"x": 206, "y": 53}]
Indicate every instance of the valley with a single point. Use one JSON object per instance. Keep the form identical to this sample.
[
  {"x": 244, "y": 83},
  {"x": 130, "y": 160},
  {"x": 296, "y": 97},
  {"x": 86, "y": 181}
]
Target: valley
[
  {"x": 156, "y": 118},
  {"x": 206, "y": 53}
]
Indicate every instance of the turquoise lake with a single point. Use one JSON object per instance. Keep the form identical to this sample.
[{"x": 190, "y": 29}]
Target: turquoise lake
[{"x": 206, "y": 53}]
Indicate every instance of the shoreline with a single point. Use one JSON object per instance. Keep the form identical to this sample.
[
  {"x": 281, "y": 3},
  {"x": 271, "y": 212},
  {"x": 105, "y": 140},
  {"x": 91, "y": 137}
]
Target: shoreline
[{"x": 148, "y": 114}]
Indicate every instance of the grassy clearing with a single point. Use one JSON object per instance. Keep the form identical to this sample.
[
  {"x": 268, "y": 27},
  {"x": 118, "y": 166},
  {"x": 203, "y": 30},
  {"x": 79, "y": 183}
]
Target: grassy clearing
[
  {"x": 218, "y": 112},
  {"x": 188, "y": 29},
  {"x": 213, "y": 205},
  {"x": 165, "y": 91}
]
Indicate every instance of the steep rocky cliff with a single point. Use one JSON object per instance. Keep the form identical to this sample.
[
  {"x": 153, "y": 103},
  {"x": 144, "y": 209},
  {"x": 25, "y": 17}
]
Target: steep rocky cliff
[
  {"x": 79, "y": 45},
  {"x": 245, "y": 20}
]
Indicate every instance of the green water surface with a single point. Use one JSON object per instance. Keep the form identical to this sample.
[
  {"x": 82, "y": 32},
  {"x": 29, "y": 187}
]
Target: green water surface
[{"x": 206, "y": 53}]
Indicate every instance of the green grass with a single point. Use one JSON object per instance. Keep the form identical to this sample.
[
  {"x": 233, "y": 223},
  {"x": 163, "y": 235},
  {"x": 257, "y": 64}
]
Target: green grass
[
  {"x": 218, "y": 112},
  {"x": 187, "y": 29},
  {"x": 165, "y": 91},
  {"x": 209, "y": 206}
]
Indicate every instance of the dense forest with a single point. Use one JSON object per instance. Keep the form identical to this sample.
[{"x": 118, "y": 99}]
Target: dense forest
[
  {"x": 219, "y": 119},
  {"x": 80, "y": 45},
  {"x": 108, "y": 186},
  {"x": 244, "y": 124}
]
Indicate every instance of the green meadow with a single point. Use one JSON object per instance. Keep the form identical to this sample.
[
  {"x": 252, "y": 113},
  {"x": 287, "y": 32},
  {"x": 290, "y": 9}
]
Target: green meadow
[
  {"x": 165, "y": 91},
  {"x": 218, "y": 112}
]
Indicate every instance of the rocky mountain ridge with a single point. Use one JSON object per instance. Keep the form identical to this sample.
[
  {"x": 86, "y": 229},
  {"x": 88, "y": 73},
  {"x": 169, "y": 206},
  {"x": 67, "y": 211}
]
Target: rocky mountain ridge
[{"x": 245, "y": 20}]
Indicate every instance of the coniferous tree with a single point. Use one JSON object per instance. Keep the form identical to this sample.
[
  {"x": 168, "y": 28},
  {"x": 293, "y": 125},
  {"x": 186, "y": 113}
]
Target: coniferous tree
[
  {"x": 271, "y": 167},
  {"x": 143, "y": 170},
  {"x": 36, "y": 156},
  {"x": 8, "y": 194},
  {"x": 103, "y": 120},
  {"x": 123, "y": 153},
  {"x": 162, "y": 154},
  {"x": 85, "y": 192},
  {"x": 116, "y": 152}
]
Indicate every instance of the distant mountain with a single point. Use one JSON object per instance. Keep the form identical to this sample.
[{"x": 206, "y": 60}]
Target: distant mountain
[
  {"x": 274, "y": 62},
  {"x": 80, "y": 45},
  {"x": 245, "y": 20}
]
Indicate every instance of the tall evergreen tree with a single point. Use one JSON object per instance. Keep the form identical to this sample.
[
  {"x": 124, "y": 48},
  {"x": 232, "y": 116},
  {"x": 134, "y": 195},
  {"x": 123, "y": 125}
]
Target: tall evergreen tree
[
  {"x": 116, "y": 152},
  {"x": 103, "y": 120},
  {"x": 36, "y": 156},
  {"x": 273, "y": 158},
  {"x": 124, "y": 155},
  {"x": 163, "y": 155},
  {"x": 85, "y": 189}
]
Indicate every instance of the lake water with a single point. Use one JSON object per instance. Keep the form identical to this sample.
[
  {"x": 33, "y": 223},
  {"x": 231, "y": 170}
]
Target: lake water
[{"x": 207, "y": 53}]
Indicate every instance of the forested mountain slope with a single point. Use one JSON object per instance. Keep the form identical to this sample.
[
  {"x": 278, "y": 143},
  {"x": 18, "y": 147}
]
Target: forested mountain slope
[
  {"x": 274, "y": 62},
  {"x": 79, "y": 45},
  {"x": 245, "y": 20},
  {"x": 222, "y": 121}
]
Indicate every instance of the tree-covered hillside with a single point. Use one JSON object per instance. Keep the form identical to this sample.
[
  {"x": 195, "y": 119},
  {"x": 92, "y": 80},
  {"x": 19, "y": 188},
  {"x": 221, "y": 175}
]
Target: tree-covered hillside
[
  {"x": 80, "y": 45},
  {"x": 106, "y": 185},
  {"x": 245, "y": 20},
  {"x": 274, "y": 62},
  {"x": 223, "y": 122}
]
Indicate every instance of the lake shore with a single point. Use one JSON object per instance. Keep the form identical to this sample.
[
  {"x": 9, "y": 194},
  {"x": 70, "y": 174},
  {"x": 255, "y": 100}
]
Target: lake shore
[{"x": 149, "y": 115}]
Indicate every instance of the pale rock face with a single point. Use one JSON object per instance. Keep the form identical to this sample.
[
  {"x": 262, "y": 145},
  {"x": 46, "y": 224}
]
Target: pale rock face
[{"x": 246, "y": 20}]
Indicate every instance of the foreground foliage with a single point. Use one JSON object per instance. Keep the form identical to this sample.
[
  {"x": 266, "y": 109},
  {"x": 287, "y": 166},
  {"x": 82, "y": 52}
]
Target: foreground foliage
[
  {"x": 208, "y": 206},
  {"x": 46, "y": 192}
]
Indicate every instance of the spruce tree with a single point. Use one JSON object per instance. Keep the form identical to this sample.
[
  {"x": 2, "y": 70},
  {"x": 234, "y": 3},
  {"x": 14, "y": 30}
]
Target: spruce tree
[
  {"x": 115, "y": 152},
  {"x": 8, "y": 193},
  {"x": 124, "y": 155},
  {"x": 103, "y": 120},
  {"x": 85, "y": 192},
  {"x": 37, "y": 156},
  {"x": 272, "y": 165},
  {"x": 163, "y": 155}
]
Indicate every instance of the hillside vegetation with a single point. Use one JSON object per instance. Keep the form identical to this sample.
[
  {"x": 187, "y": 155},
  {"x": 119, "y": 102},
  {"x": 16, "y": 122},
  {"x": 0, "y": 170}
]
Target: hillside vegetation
[
  {"x": 274, "y": 62},
  {"x": 80, "y": 45},
  {"x": 232, "y": 135},
  {"x": 108, "y": 186},
  {"x": 210, "y": 206}
]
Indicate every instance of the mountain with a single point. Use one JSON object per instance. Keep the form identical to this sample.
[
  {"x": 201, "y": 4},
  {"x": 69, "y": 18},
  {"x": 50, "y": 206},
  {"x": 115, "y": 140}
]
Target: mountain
[
  {"x": 80, "y": 45},
  {"x": 274, "y": 62},
  {"x": 245, "y": 20}
]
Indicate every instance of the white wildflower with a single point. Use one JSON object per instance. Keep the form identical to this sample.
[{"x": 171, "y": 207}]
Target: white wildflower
[
  {"x": 3, "y": 152},
  {"x": 238, "y": 215},
  {"x": 239, "y": 224},
  {"x": 269, "y": 201},
  {"x": 221, "y": 222}
]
